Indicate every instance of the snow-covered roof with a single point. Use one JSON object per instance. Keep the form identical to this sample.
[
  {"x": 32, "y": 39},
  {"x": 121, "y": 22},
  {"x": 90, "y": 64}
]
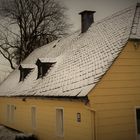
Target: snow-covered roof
[
  {"x": 27, "y": 66},
  {"x": 47, "y": 60},
  {"x": 81, "y": 59}
]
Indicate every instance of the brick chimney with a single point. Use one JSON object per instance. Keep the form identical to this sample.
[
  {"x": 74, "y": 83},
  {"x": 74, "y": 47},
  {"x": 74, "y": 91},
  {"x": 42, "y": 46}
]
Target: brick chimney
[{"x": 87, "y": 19}]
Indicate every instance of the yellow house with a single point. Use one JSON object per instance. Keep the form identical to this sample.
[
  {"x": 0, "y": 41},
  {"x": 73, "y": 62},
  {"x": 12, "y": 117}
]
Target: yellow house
[{"x": 82, "y": 87}]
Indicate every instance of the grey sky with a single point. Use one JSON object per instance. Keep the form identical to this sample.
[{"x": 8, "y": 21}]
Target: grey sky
[{"x": 103, "y": 8}]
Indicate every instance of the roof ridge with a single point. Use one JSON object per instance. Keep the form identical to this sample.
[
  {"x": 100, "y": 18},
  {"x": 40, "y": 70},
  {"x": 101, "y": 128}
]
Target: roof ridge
[{"x": 116, "y": 14}]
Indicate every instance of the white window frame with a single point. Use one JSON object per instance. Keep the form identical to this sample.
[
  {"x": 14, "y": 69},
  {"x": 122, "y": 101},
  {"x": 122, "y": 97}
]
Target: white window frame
[
  {"x": 10, "y": 113},
  {"x": 33, "y": 117},
  {"x": 59, "y": 133}
]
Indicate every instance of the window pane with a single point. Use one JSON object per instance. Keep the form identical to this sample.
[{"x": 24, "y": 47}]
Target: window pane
[{"x": 22, "y": 76}]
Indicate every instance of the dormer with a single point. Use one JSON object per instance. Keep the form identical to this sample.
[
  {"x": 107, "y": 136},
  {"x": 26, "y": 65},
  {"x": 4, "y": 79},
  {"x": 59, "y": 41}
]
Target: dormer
[
  {"x": 44, "y": 64},
  {"x": 25, "y": 69}
]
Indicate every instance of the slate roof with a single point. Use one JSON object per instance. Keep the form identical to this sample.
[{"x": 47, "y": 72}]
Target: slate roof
[
  {"x": 47, "y": 60},
  {"x": 81, "y": 59},
  {"x": 28, "y": 66}
]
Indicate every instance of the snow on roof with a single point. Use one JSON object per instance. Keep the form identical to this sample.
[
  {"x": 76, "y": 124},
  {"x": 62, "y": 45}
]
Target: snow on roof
[
  {"x": 47, "y": 60},
  {"x": 27, "y": 66},
  {"x": 81, "y": 59}
]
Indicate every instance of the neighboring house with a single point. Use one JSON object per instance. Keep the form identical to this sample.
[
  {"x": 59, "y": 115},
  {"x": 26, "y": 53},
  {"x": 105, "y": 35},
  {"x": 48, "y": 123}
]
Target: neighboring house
[{"x": 83, "y": 87}]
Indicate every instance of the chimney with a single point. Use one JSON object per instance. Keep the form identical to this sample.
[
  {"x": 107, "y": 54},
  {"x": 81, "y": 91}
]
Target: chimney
[{"x": 86, "y": 20}]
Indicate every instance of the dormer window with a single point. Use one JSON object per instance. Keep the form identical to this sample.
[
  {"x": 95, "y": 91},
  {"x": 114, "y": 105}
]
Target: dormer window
[
  {"x": 44, "y": 64},
  {"x": 25, "y": 70}
]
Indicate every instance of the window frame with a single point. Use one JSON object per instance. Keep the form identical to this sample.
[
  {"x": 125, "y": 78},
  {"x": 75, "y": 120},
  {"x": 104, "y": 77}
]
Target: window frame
[
  {"x": 57, "y": 123},
  {"x": 33, "y": 117},
  {"x": 43, "y": 67},
  {"x": 24, "y": 72},
  {"x": 10, "y": 113}
]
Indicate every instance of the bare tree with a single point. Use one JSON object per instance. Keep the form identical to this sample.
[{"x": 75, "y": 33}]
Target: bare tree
[{"x": 38, "y": 22}]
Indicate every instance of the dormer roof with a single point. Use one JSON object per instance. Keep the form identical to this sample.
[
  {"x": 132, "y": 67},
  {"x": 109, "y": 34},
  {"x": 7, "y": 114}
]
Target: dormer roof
[
  {"x": 46, "y": 60},
  {"x": 27, "y": 66}
]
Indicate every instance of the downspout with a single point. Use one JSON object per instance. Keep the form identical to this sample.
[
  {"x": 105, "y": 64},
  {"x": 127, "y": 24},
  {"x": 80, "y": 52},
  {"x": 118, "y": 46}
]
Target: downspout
[{"x": 94, "y": 126}]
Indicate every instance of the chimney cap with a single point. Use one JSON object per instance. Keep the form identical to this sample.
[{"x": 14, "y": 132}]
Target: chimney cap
[{"x": 86, "y": 11}]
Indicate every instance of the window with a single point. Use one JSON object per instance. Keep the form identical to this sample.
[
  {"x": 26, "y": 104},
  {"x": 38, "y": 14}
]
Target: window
[
  {"x": 25, "y": 69},
  {"x": 138, "y": 120},
  {"x": 33, "y": 117},
  {"x": 59, "y": 122},
  {"x": 42, "y": 70},
  {"x": 10, "y": 113},
  {"x": 78, "y": 117},
  {"x": 22, "y": 75},
  {"x": 44, "y": 65}
]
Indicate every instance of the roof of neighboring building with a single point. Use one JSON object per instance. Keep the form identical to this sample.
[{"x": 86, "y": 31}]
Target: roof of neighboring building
[
  {"x": 81, "y": 59},
  {"x": 47, "y": 60}
]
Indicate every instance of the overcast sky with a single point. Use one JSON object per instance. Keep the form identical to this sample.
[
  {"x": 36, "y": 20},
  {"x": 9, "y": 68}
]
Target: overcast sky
[{"x": 103, "y": 8}]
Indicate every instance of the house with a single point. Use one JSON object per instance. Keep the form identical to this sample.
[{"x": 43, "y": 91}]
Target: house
[{"x": 82, "y": 87}]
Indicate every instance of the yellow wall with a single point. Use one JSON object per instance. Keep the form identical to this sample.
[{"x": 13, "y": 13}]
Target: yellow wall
[
  {"x": 116, "y": 96},
  {"x": 111, "y": 107},
  {"x": 46, "y": 118}
]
